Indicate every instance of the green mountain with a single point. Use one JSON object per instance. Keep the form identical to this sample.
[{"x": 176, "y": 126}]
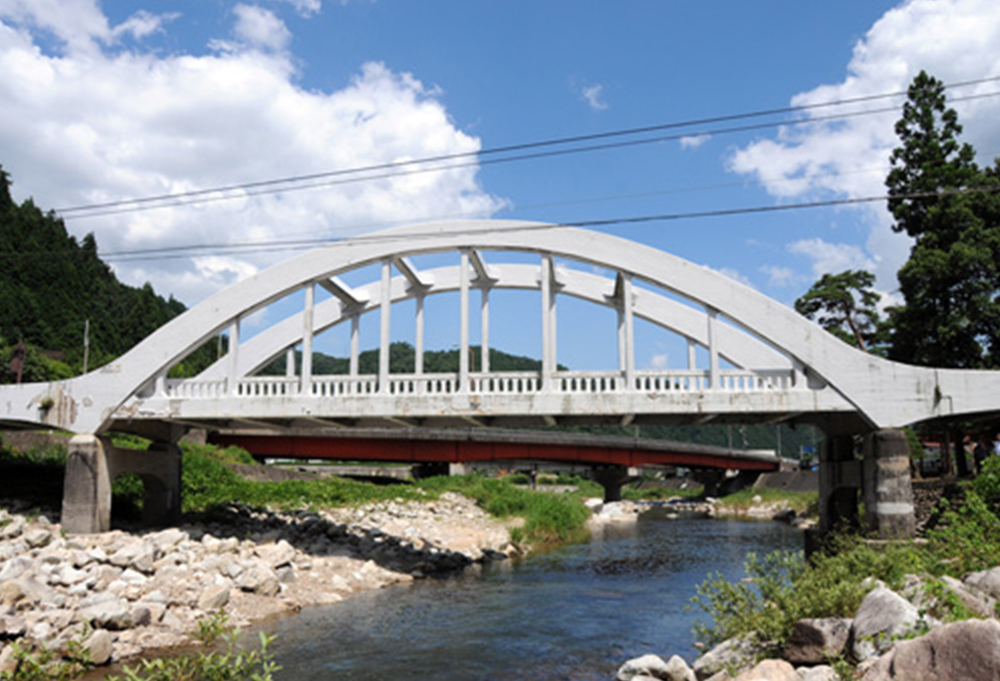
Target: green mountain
[{"x": 51, "y": 284}]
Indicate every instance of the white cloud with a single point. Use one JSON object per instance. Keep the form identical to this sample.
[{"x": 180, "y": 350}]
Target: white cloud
[
  {"x": 594, "y": 96},
  {"x": 954, "y": 40},
  {"x": 734, "y": 275},
  {"x": 694, "y": 141},
  {"x": 142, "y": 24},
  {"x": 780, "y": 276},
  {"x": 307, "y": 8},
  {"x": 659, "y": 361},
  {"x": 259, "y": 28},
  {"x": 830, "y": 258},
  {"x": 93, "y": 124}
]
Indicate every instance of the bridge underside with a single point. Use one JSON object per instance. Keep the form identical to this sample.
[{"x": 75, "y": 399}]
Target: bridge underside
[{"x": 456, "y": 446}]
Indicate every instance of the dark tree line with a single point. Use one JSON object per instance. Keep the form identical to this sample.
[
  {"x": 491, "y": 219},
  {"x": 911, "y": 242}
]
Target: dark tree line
[{"x": 51, "y": 284}]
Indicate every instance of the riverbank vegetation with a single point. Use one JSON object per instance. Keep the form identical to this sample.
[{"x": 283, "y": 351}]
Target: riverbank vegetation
[
  {"x": 784, "y": 587},
  {"x": 209, "y": 481}
]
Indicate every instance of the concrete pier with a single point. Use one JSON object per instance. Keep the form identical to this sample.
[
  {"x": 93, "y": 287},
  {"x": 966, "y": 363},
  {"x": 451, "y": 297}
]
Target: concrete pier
[
  {"x": 887, "y": 485},
  {"x": 92, "y": 465}
]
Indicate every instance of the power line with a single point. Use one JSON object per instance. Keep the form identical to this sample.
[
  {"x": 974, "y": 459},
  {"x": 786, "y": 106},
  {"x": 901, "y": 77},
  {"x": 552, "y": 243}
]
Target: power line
[
  {"x": 165, "y": 253},
  {"x": 329, "y": 178}
]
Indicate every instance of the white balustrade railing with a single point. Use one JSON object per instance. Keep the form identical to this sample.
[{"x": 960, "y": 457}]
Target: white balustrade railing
[
  {"x": 498, "y": 383},
  {"x": 267, "y": 386}
]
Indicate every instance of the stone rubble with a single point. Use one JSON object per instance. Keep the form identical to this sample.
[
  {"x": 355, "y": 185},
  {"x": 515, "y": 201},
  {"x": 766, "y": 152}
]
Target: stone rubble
[
  {"x": 124, "y": 593},
  {"x": 892, "y": 637}
]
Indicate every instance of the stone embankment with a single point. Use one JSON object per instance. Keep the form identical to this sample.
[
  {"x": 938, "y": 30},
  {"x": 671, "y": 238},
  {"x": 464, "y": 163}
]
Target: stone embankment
[
  {"x": 122, "y": 593},
  {"x": 891, "y": 638}
]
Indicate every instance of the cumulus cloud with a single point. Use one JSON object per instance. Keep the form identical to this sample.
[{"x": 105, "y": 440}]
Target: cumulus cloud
[
  {"x": 780, "y": 276},
  {"x": 260, "y": 28},
  {"x": 308, "y": 8},
  {"x": 694, "y": 141},
  {"x": 84, "y": 123},
  {"x": 594, "y": 96},
  {"x": 659, "y": 361},
  {"x": 954, "y": 40},
  {"x": 830, "y": 258}
]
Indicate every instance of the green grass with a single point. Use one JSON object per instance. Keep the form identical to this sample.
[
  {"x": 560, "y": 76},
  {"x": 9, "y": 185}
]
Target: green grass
[
  {"x": 548, "y": 518},
  {"x": 662, "y": 493},
  {"x": 742, "y": 500},
  {"x": 783, "y": 587}
]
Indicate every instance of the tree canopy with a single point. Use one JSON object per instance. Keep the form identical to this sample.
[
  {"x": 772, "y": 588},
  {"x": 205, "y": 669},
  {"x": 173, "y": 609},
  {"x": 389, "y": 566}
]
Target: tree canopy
[
  {"x": 845, "y": 305},
  {"x": 951, "y": 208},
  {"x": 51, "y": 284}
]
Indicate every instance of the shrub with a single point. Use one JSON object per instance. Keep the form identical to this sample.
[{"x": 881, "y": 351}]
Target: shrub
[{"x": 228, "y": 664}]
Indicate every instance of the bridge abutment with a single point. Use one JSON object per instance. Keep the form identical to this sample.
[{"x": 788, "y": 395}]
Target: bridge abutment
[{"x": 92, "y": 465}]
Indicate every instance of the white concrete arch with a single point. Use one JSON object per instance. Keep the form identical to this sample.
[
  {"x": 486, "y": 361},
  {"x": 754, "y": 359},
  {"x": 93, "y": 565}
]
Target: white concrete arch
[
  {"x": 735, "y": 347},
  {"x": 882, "y": 393}
]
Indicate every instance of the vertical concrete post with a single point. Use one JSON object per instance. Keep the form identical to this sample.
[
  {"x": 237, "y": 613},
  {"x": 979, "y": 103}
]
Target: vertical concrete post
[
  {"x": 713, "y": 349},
  {"x": 384, "y": 328},
  {"x": 234, "y": 355},
  {"x": 463, "y": 316},
  {"x": 355, "y": 344},
  {"x": 418, "y": 351},
  {"x": 86, "y": 505},
  {"x": 307, "y": 340},
  {"x": 548, "y": 366},
  {"x": 839, "y": 481},
  {"x": 484, "y": 337},
  {"x": 887, "y": 485}
]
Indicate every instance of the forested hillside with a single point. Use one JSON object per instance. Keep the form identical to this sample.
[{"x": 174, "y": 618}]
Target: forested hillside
[{"x": 51, "y": 283}]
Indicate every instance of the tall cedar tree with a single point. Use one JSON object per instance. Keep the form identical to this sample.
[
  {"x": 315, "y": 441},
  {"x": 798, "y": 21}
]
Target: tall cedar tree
[{"x": 950, "y": 284}]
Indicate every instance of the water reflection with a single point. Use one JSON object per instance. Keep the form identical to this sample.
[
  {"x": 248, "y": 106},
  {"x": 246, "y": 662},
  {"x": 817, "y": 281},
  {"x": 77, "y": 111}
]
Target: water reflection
[{"x": 574, "y": 614}]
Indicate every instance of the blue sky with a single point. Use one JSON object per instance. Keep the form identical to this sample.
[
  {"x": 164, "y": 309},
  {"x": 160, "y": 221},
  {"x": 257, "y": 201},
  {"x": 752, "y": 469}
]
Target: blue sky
[{"x": 119, "y": 99}]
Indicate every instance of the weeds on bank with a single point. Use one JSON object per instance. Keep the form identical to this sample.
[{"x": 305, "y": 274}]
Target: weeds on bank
[
  {"x": 225, "y": 662},
  {"x": 783, "y": 587}
]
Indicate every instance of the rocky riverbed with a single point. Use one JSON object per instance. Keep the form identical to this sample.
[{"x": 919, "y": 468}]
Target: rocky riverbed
[
  {"x": 123, "y": 593},
  {"x": 891, "y": 637}
]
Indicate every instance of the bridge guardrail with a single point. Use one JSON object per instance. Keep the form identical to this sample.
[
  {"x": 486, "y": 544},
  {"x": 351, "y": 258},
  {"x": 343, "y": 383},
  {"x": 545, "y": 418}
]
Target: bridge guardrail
[{"x": 498, "y": 383}]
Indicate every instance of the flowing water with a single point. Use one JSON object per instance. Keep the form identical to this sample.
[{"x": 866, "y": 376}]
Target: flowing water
[{"x": 575, "y": 614}]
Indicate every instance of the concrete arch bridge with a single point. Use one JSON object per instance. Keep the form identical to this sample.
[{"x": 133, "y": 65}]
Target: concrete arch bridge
[{"x": 749, "y": 359}]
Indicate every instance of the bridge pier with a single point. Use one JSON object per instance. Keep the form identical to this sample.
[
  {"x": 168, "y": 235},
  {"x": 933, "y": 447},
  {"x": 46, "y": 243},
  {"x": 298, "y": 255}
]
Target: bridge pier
[
  {"x": 882, "y": 479},
  {"x": 887, "y": 485},
  {"x": 612, "y": 479},
  {"x": 92, "y": 465}
]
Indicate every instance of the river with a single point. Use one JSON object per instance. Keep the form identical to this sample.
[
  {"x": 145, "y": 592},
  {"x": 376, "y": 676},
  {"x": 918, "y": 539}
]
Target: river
[{"x": 573, "y": 614}]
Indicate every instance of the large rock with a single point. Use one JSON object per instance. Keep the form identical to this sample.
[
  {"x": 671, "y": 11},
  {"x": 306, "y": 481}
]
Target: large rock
[
  {"x": 213, "y": 598},
  {"x": 99, "y": 646},
  {"x": 814, "y": 641},
  {"x": 276, "y": 555},
  {"x": 735, "y": 653},
  {"x": 107, "y": 613},
  {"x": 883, "y": 618},
  {"x": 821, "y": 672},
  {"x": 987, "y": 581},
  {"x": 770, "y": 670},
  {"x": 259, "y": 579},
  {"x": 653, "y": 667},
  {"x": 926, "y": 598},
  {"x": 962, "y": 651}
]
